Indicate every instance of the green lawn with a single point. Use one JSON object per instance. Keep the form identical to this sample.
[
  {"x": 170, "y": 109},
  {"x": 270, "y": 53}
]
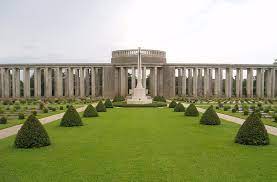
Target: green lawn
[{"x": 140, "y": 144}]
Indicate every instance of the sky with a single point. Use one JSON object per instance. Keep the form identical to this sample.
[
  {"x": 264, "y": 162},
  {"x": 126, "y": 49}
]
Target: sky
[{"x": 190, "y": 31}]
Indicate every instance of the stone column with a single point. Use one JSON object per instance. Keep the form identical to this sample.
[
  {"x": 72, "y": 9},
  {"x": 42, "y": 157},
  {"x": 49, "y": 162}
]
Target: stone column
[
  {"x": 82, "y": 83},
  {"x": 6, "y": 81},
  {"x": 144, "y": 77},
  {"x": 238, "y": 82},
  {"x": 14, "y": 82},
  {"x": 26, "y": 82},
  {"x": 133, "y": 78},
  {"x": 37, "y": 82},
  {"x": 160, "y": 82},
  {"x": 184, "y": 84},
  {"x": 210, "y": 86},
  {"x": 58, "y": 82},
  {"x": 273, "y": 82},
  {"x": 195, "y": 82},
  {"x": 206, "y": 82},
  {"x": 190, "y": 82},
  {"x": 262, "y": 82},
  {"x": 48, "y": 82},
  {"x": 70, "y": 82},
  {"x": 259, "y": 83},
  {"x": 228, "y": 82},
  {"x": 155, "y": 79},
  {"x": 1, "y": 83},
  {"x": 249, "y": 83},
  {"x": 93, "y": 91},
  {"x": 218, "y": 80},
  {"x": 87, "y": 82},
  {"x": 122, "y": 81}
]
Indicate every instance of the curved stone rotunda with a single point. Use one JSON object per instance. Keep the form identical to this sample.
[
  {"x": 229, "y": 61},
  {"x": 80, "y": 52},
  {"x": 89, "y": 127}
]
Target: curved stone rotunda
[{"x": 119, "y": 78}]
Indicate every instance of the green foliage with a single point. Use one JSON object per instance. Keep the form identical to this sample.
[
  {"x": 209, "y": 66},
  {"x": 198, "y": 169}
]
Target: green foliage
[
  {"x": 154, "y": 104},
  {"x": 34, "y": 112},
  {"x": 191, "y": 111},
  {"x": 245, "y": 112},
  {"x": 252, "y": 132},
  {"x": 3, "y": 120},
  {"x": 159, "y": 99},
  {"x": 61, "y": 107},
  {"x": 172, "y": 104},
  {"x": 32, "y": 134},
  {"x": 210, "y": 117},
  {"x": 226, "y": 108},
  {"x": 108, "y": 103},
  {"x": 118, "y": 99},
  {"x": 101, "y": 107},
  {"x": 179, "y": 108},
  {"x": 21, "y": 115},
  {"x": 90, "y": 111},
  {"x": 45, "y": 110},
  {"x": 71, "y": 118}
]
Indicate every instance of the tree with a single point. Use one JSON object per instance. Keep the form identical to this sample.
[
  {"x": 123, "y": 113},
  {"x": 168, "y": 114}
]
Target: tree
[
  {"x": 90, "y": 111},
  {"x": 191, "y": 111},
  {"x": 210, "y": 117},
  {"x": 179, "y": 108},
  {"x": 108, "y": 103},
  {"x": 252, "y": 132},
  {"x": 71, "y": 118},
  {"x": 32, "y": 134},
  {"x": 101, "y": 107},
  {"x": 172, "y": 104}
]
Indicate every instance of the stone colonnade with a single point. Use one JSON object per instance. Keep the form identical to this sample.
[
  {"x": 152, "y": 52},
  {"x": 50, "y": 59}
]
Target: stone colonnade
[{"x": 109, "y": 80}]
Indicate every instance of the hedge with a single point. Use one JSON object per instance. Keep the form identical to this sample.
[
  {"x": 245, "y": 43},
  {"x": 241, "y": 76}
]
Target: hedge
[
  {"x": 210, "y": 117},
  {"x": 90, "y": 111},
  {"x": 71, "y": 118},
  {"x": 191, "y": 111}
]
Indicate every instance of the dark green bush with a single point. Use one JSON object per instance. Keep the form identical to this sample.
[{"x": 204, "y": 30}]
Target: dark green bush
[
  {"x": 101, "y": 107},
  {"x": 34, "y": 112},
  {"x": 118, "y": 99},
  {"x": 108, "y": 103},
  {"x": 179, "y": 108},
  {"x": 245, "y": 112},
  {"x": 71, "y": 118},
  {"x": 45, "y": 110},
  {"x": 154, "y": 104},
  {"x": 191, "y": 111},
  {"x": 159, "y": 99},
  {"x": 32, "y": 134},
  {"x": 226, "y": 108},
  {"x": 172, "y": 104},
  {"x": 21, "y": 115},
  {"x": 252, "y": 132},
  {"x": 210, "y": 117},
  {"x": 90, "y": 111},
  {"x": 3, "y": 120},
  {"x": 61, "y": 107},
  {"x": 234, "y": 110}
]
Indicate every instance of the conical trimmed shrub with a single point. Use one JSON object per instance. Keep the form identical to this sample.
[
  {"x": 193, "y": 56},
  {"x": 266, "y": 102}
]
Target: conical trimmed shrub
[
  {"x": 191, "y": 111},
  {"x": 71, "y": 118},
  {"x": 252, "y": 132},
  {"x": 101, "y": 107},
  {"x": 90, "y": 111},
  {"x": 210, "y": 117},
  {"x": 172, "y": 104},
  {"x": 32, "y": 134},
  {"x": 108, "y": 103},
  {"x": 179, "y": 108}
]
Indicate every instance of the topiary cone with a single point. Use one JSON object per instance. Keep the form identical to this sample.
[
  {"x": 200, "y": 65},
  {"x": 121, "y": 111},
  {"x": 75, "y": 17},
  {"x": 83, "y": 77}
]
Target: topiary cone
[
  {"x": 191, "y": 111},
  {"x": 108, "y": 103},
  {"x": 32, "y": 134},
  {"x": 71, "y": 118},
  {"x": 179, "y": 108},
  {"x": 172, "y": 104},
  {"x": 101, "y": 107},
  {"x": 210, "y": 117},
  {"x": 252, "y": 132},
  {"x": 90, "y": 111}
]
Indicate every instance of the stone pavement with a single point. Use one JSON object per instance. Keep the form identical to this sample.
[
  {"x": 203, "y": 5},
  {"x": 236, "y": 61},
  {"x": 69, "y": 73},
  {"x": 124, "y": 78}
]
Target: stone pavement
[
  {"x": 270, "y": 129},
  {"x": 14, "y": 129}
]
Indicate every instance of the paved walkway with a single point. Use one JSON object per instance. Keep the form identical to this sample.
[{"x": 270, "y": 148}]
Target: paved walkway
[
  {"x": 270, "y": 129},
  {"x": 14, "y": 129}
]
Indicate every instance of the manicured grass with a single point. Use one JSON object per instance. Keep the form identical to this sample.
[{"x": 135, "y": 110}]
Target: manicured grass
[
  {"x": 266, "y": 121},
  {"x": 13, "y": 122},
  {"x": 140, "y": 144}
]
